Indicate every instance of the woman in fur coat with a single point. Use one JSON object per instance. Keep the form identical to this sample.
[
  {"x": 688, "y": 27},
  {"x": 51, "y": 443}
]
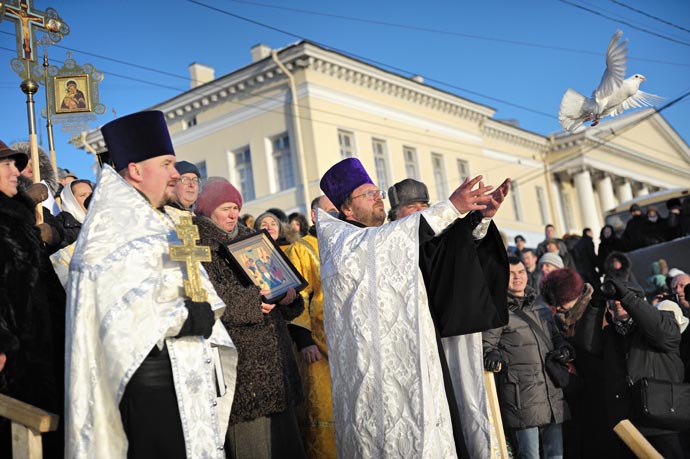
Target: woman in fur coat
[
  {"x": 32, "y": 308},
  {"x": 262, "y": 423}
]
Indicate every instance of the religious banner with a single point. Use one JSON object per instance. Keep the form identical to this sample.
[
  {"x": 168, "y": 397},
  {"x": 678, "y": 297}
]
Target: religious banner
[{"x": 72, "y": 93}]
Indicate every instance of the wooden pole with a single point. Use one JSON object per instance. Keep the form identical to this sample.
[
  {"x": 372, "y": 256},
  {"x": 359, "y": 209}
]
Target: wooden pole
[
  {"x": 29, "y": 87},
  {"x": 499, "y": 449},
  {"x": 636, "y": 441}
]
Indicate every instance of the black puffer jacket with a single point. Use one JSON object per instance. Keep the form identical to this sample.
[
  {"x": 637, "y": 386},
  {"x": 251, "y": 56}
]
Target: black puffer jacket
[
  {"x": 528, "y": 396},
  {"x": 267, "y": 377}
]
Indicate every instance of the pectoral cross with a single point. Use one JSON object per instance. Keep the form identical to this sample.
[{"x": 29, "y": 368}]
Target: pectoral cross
[
  {"x": 27, "y": 19},
  {"x": 191, "y": 254}
]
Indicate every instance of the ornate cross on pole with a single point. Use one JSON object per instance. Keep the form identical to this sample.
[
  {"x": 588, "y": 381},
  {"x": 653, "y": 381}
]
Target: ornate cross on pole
[
  {"x": 27, "y": 19},
  {"x": 191, "y": 254}
]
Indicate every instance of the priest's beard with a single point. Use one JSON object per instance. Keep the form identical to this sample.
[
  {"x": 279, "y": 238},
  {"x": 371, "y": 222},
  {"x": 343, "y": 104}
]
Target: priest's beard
[{"x": 371, "y": 216}]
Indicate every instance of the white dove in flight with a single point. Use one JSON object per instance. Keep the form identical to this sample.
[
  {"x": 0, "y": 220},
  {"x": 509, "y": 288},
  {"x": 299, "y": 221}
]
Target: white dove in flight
[{"x": 614, "y": 95}]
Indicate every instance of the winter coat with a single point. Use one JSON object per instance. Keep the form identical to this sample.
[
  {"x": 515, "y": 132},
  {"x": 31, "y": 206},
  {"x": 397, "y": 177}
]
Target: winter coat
[
  {"x": 586, "y": 261},
  {"x": 527, "y": 394},
  {"x": 607, "y": 245},
  {"x": 70, "y": 228},
  {"x": 268, "y": 380},
  {"x": 32, "y": 318},
  {"x": 650, "y": 349}
]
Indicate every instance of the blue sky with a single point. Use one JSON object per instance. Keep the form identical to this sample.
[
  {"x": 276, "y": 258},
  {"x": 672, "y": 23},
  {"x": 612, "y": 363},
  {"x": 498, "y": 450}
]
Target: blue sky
[{"x": 517, "y": 57}]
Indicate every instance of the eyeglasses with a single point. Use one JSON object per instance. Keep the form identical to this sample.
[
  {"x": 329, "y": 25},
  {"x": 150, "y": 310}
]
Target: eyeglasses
[
  {"x": 372, "y": 195},
  {"x": 187, "y": 180}
]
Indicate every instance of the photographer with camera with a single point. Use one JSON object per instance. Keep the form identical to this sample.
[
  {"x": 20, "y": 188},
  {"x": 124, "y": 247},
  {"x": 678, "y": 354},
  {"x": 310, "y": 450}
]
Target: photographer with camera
[{"x": 640, "y": 345}]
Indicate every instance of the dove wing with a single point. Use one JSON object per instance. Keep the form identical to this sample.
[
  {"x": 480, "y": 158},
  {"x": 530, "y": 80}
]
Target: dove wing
[
  {"x": 616, "y": 58},
  {"x": 639, "y": 99}
]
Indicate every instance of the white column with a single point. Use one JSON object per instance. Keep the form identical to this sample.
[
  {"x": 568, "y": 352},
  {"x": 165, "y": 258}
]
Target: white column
[
  {"x": 557, "y": 220},
  {"x": 585, "y": 197},
  {"x": 607, "y": 199},
  {"x": 624, "y": 191},
  {"x": 641, "y": 191}
]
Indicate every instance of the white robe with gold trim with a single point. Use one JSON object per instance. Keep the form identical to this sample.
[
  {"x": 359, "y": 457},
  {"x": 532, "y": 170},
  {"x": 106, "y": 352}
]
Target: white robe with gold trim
[{"x": 125, "y": 296}]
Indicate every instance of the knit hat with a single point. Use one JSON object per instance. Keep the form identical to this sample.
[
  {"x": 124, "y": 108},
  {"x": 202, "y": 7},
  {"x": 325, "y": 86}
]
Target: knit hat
[
  {"x": 342, "y": 179},
  {"x": 561, "y": 286},
  {"x": 552, "y": 259},
  {"x": 216, "y": 192},
  {"x": 668, "y": 305},
  {"x": 137, "y": 137},
  {"x": 20, "y": 158},
  {"x": 185, "y": 167}
]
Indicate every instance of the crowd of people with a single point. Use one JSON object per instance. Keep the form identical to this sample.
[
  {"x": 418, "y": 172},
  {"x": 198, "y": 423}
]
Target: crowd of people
[{"x": 380, "y": 354}]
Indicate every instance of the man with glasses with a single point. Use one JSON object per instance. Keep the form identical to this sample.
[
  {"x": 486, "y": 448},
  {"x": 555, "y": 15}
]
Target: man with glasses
[
  {"x": 187, "y": 186},
  {"x": 390, "y": 397}
]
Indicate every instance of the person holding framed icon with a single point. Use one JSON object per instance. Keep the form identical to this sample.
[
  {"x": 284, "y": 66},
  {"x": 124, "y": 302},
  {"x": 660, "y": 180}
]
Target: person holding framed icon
[{"x": 262, "y": 421}]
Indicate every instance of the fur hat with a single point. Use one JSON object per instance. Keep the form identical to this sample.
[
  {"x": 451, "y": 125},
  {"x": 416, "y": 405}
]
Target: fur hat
[
  {"x": 406, "y": 192},
  {"x": 552, "y": 259},
  {"x": 216, "y": 192},
  {"x": 561, "y": 286},
  {"x": 137, "y": 137},
  {"x": 45, "y": 167},
  {"x": 342, "y": 179}
]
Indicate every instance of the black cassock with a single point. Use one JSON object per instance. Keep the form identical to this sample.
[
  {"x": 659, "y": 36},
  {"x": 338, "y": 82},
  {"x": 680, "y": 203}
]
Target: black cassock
[{"x": 466, "y": 283}]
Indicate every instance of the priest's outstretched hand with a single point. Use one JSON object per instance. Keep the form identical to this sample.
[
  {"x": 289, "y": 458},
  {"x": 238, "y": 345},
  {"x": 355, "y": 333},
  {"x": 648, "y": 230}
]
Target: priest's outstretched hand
[
  {"x": 497, "y": 197},
  {"x": 466, "y": 198},
  {"x": 199, "y": 321}
]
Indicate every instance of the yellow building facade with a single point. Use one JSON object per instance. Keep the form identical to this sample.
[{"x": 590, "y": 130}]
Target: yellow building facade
[{"x": 275, "y": 126}]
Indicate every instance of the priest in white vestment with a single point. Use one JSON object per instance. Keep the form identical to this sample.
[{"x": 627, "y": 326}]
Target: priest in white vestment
[
  {"x": 141, "y": 379},
  {"x": 389, "y": 399}
]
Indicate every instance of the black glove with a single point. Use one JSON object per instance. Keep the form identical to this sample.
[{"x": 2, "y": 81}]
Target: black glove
[
  {"x": 613, "y": 289},
  {"x": 564, "y": 354},
  {"x": 199, "y": 321},
  {"x": 493, "y": 361}
]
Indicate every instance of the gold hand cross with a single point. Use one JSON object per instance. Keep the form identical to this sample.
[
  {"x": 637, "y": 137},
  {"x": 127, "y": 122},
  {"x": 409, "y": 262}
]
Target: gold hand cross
[{"x": 191, "y": 254}]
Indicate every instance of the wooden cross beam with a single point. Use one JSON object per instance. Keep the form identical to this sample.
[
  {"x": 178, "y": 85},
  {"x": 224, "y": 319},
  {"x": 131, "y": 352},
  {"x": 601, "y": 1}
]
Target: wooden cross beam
[
  {"x": 27, "y": 19},
  {"x": 191, "y": 254}
]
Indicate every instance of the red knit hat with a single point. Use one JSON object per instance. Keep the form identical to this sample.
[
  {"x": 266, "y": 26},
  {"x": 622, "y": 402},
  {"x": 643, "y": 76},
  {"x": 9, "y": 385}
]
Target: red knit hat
[
  {"x": 561, "y": 286},
  {"x": 216, "y": 192}
]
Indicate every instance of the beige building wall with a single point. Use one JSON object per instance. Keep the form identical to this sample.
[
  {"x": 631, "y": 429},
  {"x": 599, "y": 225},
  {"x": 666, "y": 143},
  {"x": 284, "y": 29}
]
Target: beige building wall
[{"x": 552, "y": 176}]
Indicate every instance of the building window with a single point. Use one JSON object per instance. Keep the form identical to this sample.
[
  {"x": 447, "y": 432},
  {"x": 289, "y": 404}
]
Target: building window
[
  {"x": 282, "y": 162},
  {"x": 191, "y": 122},
  {"x": 346, "y": 141},
  {"x": 201, "y": 165},
  {"x": 463, "y": 170},
  {"x": 244, "y": 174},
  {"x": 439, "y": 176},
  {"x": 410, "y": 156},
  {"x": 381, "y": 162},
  {"x": 515, "y": 199},
  {"x": 541, "y": 201}
]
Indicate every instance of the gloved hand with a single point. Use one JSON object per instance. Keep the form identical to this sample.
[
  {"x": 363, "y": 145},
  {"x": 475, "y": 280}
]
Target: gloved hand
[
  {"x": 564, "y": 354},
  {"x": 49, "y": 235},
  {"x": 199, "y": 321},
  {"x": 493, "y": 361},
  {"x": 613, "y": 289},
  {"x": 38, "y": 192}
]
